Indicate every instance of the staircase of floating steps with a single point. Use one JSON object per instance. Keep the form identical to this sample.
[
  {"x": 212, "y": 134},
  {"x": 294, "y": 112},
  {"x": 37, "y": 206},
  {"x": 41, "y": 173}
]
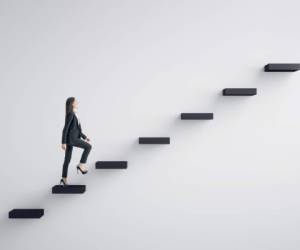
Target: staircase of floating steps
[
  {"x": 26, "y": 213},
  {"x": 111, "y": 165},
  {"x": 33, "y": 213},
  {"x": 239, "y": 92},
  {"x": 197, "y": 116},
  {"x": 154, "y": 140},
  {"x": 68, "y": 189},
  {"x": 282, "y": 67}
]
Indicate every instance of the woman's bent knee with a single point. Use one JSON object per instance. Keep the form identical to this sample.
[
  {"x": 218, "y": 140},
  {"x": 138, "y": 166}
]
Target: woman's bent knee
[{"x": 89, "y": 147}]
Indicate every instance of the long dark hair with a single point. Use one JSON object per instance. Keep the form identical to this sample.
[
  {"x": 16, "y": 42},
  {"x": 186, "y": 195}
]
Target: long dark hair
[{"x": 69, "y": 105}]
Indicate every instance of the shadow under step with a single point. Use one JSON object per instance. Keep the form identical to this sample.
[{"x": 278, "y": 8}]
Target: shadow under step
[
  {"x": 27, "y": 213},
  {"x": 68, "y": 189},
  {"x": 111, "y": 164},
  {"x": 197, "y": 116},
  {"x": 154, "y": 140},
  {"x": 239, "y": 91},
  {"x": 282, "y": 67}
]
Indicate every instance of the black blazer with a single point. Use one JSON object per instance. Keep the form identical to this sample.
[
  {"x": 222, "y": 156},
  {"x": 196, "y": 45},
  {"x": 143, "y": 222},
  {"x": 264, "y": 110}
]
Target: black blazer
[{"x": 72, "y": 129}]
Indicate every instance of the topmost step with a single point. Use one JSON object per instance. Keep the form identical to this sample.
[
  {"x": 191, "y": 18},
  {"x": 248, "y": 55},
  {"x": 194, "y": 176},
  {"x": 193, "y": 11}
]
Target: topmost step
[
  {"x": 239, "y": 91},
  {"x": 282, "y": 67}
]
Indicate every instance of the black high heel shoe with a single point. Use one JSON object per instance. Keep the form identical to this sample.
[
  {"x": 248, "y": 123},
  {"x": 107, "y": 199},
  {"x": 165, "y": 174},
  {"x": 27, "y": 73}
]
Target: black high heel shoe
[
  {"x": 63, "y": 182},
  {"x": 82, "y": 171}
]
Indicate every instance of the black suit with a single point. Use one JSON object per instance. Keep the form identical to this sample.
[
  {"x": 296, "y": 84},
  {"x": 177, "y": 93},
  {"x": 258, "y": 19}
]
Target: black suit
[{"x": 71, "y": 136}]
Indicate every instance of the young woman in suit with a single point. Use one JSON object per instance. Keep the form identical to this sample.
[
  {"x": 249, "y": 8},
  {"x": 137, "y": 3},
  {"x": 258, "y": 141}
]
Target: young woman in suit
[{"x": 72, "y": 136}]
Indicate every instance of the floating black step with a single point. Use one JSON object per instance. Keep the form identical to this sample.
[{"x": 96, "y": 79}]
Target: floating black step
[
  {"x": 197, "y": 116},
  {"x": 239, "y": 91},
  {"x": 282, "y": 67},
  {"x": 154, "y": 140},
  {"x": 68, "y": 189},
  {"x": 111, "y": 164},
  {"x": 35, "y": 213}
]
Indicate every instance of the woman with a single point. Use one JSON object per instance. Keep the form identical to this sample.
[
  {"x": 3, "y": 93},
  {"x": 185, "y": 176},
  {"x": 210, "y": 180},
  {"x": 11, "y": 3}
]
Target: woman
[{"x": 71, "y": 137}]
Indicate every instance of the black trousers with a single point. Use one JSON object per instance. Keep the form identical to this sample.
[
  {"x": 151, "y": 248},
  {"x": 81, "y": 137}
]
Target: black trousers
[{"x": 76, "y": 142}]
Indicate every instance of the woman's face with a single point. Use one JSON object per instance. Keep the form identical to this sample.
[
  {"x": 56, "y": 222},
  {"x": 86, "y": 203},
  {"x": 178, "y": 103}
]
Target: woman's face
[{"x": 75, "y": 104}]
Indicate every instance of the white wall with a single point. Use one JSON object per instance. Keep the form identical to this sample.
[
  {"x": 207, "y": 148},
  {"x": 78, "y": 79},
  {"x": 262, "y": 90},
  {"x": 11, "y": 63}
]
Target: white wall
[{"x": 230, "y": 183}]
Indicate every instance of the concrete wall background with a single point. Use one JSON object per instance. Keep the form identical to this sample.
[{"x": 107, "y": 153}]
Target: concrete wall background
[{"x": 230, "y": 183}]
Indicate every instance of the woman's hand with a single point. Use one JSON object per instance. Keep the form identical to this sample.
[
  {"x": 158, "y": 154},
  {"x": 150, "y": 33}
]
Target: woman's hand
[{"x": 64, "y": 146}]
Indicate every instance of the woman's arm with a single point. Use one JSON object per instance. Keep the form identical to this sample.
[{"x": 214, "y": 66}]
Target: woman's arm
[
  {"x": 68, "y": 121},
  {"x": 83, "y": 136}
]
